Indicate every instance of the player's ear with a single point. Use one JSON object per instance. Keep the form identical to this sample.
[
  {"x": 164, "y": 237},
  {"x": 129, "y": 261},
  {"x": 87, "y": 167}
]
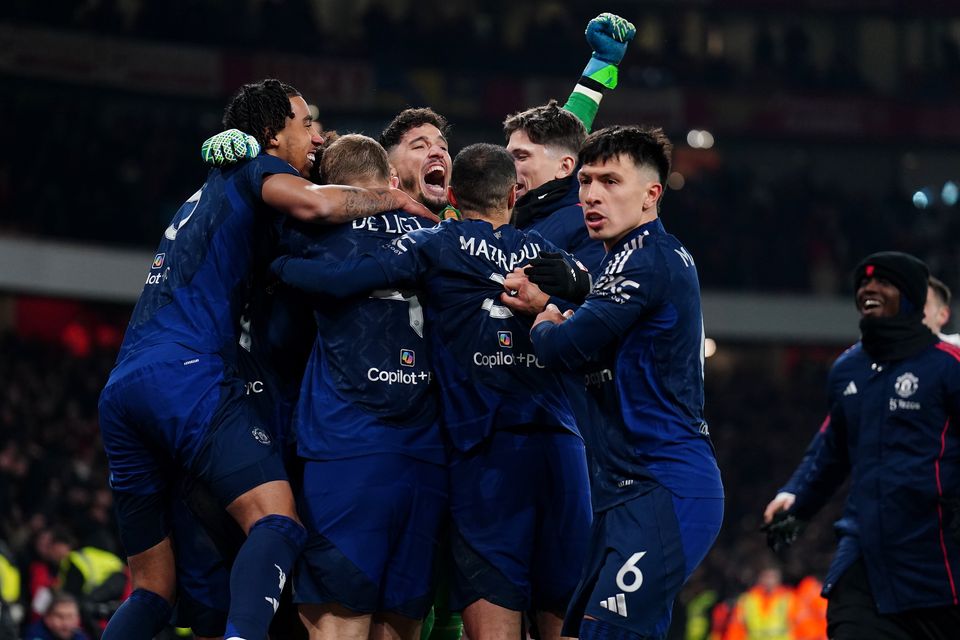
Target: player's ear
[
  {"x": 274, "y": 141},
  {"x": 512, "y": 197},
  {"x": 394, "y": 181},
  {"x": 567, "y": 164},
  {"x": 451, "y": 197},
  {"x": 654, "y": 192}
]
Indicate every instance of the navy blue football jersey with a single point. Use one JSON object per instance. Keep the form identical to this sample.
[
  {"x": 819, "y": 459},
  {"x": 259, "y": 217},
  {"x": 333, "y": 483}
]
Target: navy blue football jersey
[
  {"x": 368, "y": 386},
  {"x": 488, "y": 372},
  {"x": 638, "y": 340},
  {"x": 276, "y": 335},
  {"x": 201, "y": 274}
]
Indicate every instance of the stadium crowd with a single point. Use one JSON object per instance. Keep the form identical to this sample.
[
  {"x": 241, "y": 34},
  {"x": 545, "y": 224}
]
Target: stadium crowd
[{"x": 781, "y": 51}]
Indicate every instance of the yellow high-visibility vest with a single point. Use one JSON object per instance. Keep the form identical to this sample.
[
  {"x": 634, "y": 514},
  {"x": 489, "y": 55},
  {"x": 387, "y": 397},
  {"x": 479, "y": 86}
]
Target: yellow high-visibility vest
[
  {"x": 9, "y": 581},
  {"x": 767, "y": 616},
  {"x": 96, "y": 565}
]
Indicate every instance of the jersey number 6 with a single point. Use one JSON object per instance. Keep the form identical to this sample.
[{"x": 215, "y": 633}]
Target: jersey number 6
[{"x": 629, "y": 570}]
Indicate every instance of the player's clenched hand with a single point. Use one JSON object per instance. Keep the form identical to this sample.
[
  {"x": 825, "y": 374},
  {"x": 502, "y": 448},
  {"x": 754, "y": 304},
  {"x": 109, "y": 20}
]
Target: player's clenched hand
[
  {"x": 608, "y": 36},
  {"x": 229, "y": 147},
  {"x": 521, "y": 295},
  {"x": 782, "y": 502},
  {"x": 559, "y": 278},
  {"x": 552, "y": 314},
  {"x": 411, "y": 206}
]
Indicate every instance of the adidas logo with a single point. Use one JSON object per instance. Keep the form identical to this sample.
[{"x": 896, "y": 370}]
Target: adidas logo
[
  {"x": 617, "y": 605},
  {"x": 850, "y": 390}
]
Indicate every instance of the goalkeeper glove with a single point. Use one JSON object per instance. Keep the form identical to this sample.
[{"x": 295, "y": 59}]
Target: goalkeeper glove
[
  {"x": 229, "y": 147},
  {"x": 556, "y": 277},
  {"x": 782, "y": 531},
  {"x": 608, "y": 35}
]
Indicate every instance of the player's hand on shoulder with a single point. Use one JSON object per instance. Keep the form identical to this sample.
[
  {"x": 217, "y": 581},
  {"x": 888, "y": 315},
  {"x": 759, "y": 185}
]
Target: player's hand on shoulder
[
  {"x": 229, "y": 147},
  {"x": 521, "y": 295},
  {"x": 608, "y": 35}
]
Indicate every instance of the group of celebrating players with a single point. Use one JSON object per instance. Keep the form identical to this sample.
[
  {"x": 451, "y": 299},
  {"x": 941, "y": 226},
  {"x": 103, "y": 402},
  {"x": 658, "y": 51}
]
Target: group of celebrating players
[{"x": 508, "y": 403}]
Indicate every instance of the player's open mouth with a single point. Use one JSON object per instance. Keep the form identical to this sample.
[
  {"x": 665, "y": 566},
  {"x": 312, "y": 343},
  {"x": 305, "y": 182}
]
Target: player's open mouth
[
  {"x": 870, "y": 305},
  {"x": 434, "y": 180},
  {"x": 312, "y": 156},
  {"x": 593, "y": 219}
]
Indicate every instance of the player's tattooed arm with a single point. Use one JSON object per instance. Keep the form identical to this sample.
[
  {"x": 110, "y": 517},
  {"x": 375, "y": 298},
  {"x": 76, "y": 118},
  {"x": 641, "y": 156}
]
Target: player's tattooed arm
[{"x": 334, "y": 204}]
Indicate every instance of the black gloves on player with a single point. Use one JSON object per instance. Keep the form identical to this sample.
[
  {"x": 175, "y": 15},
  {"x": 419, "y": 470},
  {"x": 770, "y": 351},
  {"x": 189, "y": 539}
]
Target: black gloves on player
[
  {"x": 782, "y": 531},
  {"x": 557, "y": 277}
]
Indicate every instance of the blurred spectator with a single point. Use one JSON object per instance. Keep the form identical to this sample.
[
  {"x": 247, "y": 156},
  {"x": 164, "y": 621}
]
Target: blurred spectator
[
  {"x": 61, "y": 621},
  {"x": 11, "y": 610},
  {"x": 810, "y": 612},
  {"x": 97, "y": 578},
  {"x": 765, "y": 612},
  {"x": 936, "y": 310}
]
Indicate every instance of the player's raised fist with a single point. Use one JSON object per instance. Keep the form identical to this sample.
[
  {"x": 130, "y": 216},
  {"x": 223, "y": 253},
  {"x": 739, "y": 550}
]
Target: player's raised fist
[
  {"x": 229, "y": 147},
  {"x": 608, "y": 35}
]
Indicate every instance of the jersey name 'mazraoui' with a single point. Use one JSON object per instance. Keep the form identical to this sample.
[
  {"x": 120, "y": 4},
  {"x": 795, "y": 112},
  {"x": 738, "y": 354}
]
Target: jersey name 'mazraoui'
[{"x": 478, "y": 248}]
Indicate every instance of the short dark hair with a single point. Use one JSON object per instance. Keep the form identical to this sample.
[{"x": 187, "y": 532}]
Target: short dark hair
[
  {"x": 940, "y": 289},
  {"x": 61, "y": 534},
  {"x": 647, "y": 146},
  {"x": 410, "y": 119},
  {"x": 260, "y": 109},
  {"x": 549, "y": 125},
  {"x": 352, "y": 158},
  {"x": 482, "y": 177},
  {"x": 58, "y": 598}
]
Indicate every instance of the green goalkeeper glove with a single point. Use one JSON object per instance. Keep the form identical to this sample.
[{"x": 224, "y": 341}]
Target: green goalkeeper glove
[
  {"x": 609, "y": 35},
  {"x": 229, "y": 147}
]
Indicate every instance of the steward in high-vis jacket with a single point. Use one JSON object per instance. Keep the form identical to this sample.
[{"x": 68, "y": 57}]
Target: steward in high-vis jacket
[{"x": 893, "y": 427}]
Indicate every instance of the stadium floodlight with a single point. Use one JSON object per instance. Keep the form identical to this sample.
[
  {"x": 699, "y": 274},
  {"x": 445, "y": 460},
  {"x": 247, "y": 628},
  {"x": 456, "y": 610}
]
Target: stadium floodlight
[
  {"x": 950, "y": 193},
  {"x": 700, "y": 139}
]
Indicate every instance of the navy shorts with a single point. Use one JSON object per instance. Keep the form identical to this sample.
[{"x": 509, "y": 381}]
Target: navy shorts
[
  {"x": 641, "y": 553},
  {"x": 168, "y": 412},
  {"x": 520, "y": 504},
  {"x": 374, "y": 525}
]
